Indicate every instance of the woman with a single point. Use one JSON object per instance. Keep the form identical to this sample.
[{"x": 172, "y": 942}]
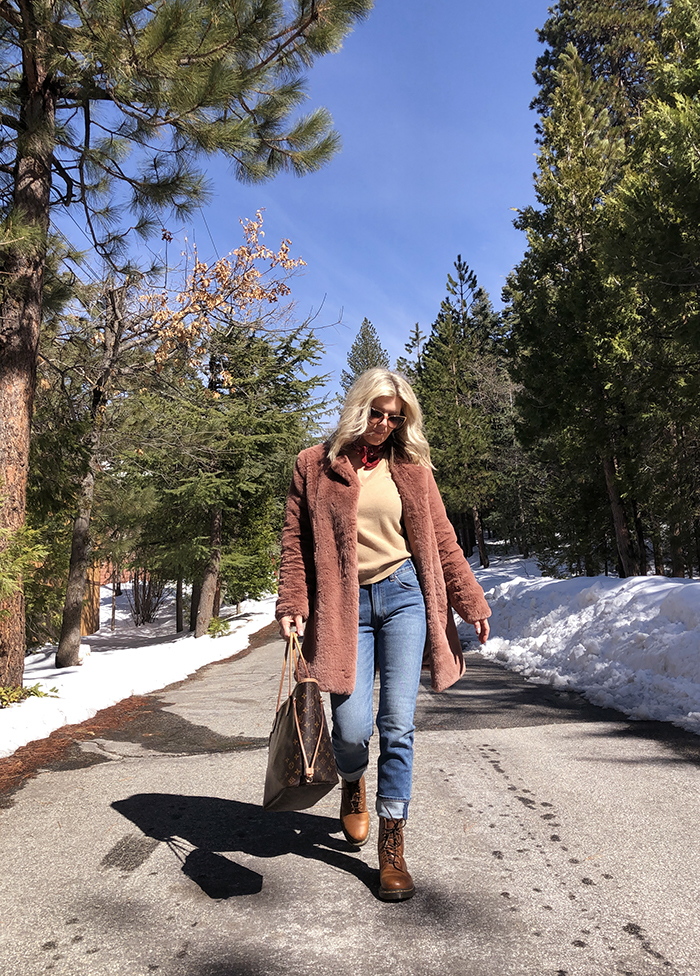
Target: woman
[{"x": 370, "y": 570}]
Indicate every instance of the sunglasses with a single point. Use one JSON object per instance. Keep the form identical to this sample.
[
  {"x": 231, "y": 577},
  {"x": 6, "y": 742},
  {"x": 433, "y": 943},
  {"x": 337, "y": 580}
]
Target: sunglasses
[{"x": 394, "y": 421}]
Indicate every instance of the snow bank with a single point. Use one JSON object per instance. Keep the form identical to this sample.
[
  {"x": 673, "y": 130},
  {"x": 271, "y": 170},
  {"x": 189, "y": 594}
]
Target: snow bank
[{"x": 633, "y": 644}]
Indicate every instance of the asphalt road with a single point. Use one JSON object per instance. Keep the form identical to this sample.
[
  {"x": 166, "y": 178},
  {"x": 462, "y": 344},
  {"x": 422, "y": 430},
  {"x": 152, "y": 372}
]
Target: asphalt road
[{"x": 547, "y": 838}]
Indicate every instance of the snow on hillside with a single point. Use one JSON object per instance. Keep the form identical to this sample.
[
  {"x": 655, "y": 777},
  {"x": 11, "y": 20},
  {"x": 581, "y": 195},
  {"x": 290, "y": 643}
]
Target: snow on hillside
[{"x": 633, "y": 645}]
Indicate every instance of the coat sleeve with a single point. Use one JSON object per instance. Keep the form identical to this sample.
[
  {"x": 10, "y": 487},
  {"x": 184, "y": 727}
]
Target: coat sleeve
[
  {"x": 297, "y": 580},
  {"x": 463, "y": 591}
]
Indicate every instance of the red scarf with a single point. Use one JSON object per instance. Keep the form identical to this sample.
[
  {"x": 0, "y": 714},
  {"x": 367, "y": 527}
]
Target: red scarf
[{"x": 371, "y": 456}]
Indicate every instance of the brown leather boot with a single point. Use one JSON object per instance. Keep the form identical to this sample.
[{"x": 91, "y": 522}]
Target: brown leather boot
[
  {"x": 354, "y": 818},
  {"x": 395, "y": 883}
]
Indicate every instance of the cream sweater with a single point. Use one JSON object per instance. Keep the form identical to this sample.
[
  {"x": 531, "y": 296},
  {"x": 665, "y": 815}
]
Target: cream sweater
[{"x": 381, "y": 542}]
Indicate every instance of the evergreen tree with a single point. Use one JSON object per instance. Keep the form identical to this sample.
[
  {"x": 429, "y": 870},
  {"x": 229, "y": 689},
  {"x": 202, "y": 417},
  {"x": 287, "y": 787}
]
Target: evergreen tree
[
  {"x": 414, "y": 348},
  {"x": 614, "y": 38},
  {"x": 458, "y": 379},
  {"x": 106, "y": 108},
  {"x": 365, "y": 353},
  {"x": 214, "y": 464},
  {"x": 655, "y": 245},
  {"x": 105, "y": 351},
  {"x": 576, "y": 334}
]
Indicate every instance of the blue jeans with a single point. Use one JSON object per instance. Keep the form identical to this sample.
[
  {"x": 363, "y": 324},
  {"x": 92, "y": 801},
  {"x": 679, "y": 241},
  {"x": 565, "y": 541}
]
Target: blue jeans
[{"x": 391, "y": 639}]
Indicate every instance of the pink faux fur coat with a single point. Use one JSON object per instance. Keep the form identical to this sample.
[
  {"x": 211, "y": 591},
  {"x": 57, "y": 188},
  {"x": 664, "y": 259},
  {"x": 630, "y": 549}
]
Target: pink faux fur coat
[{"x": 318, "y": 575}]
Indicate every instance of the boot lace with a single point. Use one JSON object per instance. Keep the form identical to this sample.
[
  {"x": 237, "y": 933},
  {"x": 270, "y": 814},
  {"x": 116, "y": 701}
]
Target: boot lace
[
  {"x": 354, "y": 796},
  {"x": 391, "y": 840}
]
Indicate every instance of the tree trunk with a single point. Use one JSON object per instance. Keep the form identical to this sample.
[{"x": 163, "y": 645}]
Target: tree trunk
[
  {"x": 136, "y": 591},
  {"x": 479, "y": 532},
  {"x": 194, "y": 602},
  {"x": 523, "y": 533},
  {"x": 641, "y": 540},
  {"x": 469, "y": 539},
  {"x": 625, "y": 547},
  {"x": 590, "y": 563},
  {"x": 677, "y": 557},
  {"x": 22, "y": 281},
  {"x": 606, "y": 553},
  {"x": 92, "y": 603},
  {"x": 179, "y": 612},
  {"x": 68, "y": 653},
  {"x": 69, "y": 644},
  {"x": 657, "y": 550},
  {"x": 211, "y": 575},
  {"x": 216, "y": 609}
]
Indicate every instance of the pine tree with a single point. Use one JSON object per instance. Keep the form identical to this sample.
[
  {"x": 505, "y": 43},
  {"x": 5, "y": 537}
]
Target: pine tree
[
  {"x": 365, "y": 353},
  {"x": 576, "y": 333},
  {"x": 213, "y": 464},
  {"x": 107, "y": 106},
  {"x": 457, "y": 382},
  {"x": 655, "y": 245},
  {"x": 414, "y": 349},
  {"x": 614, "y": 38},
  {"x": 111, "y": 345}
]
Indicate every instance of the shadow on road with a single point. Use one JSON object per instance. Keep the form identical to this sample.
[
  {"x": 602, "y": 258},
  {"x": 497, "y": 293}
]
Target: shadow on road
[
  {"x": 211, "y": 825},
  {"x": 489, "y": 696}
]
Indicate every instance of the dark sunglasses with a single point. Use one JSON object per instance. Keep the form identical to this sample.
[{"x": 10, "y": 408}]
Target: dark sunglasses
[{"x": 394, "y": 421}]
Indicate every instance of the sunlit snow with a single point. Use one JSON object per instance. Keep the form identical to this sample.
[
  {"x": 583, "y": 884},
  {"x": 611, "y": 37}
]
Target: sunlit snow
[{"x": 630, "y": 644}]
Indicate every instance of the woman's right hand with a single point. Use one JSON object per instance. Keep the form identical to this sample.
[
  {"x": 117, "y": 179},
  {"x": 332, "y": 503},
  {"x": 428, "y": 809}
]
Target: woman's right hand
[{"x": 286, "y": 624}]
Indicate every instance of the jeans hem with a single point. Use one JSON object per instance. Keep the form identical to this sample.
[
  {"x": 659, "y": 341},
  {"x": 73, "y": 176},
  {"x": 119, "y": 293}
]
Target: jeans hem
[
  {"x": 392, "y": 808},
  {"x": 352, "y": 777}
]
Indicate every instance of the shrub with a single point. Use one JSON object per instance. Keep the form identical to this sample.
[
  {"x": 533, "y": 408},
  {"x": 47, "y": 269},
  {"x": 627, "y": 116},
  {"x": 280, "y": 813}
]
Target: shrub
[
  {"x": 10, "y": 696},
  {"x": 218, "y": 627}
]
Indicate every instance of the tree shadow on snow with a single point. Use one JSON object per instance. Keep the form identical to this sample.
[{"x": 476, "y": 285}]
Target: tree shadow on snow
[{"x": 211, "y": 825}]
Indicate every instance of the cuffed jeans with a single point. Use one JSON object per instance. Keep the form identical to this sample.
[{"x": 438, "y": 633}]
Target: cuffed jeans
[{"x": 391, "y": 639}]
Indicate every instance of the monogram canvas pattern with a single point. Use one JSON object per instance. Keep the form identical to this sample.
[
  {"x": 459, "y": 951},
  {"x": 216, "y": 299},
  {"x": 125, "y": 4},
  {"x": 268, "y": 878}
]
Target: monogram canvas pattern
[{"x": 291, "y": 784}]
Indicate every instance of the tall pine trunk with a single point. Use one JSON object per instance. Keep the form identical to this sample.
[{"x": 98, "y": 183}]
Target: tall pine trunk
[
  {"x": 641, "y": 539},
  {"x": 468, "y": 535},
  {"x": 629, "y": 562},
  {"x": 523, "y": 544},
  {"x": 68, "y": 653},
  {"x": 69, "y": 644},
  {"x": 179, "y": 609},
  {"x": 479, "y": 531},
  {"x": 22, "y": 283},
  {"x": 211, "y": 575},
  {"x": 657, "y": 550},
  {"x": 677, "y": 554},
  {"x": 194, "y": 602}
]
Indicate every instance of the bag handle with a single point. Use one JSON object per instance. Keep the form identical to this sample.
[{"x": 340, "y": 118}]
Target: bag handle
[
  {"x": 292, "y": 649},
  {"x": 308, "y": 766}
]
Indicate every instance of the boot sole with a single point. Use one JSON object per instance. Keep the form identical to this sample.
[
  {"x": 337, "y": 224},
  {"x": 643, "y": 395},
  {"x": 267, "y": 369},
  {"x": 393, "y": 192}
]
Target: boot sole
[
  {"x": 402, "y": 894},
  {"x": 351, "y": 840}
]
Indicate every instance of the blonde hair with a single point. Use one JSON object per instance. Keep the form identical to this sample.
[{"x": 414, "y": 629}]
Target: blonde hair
[{"x": 408, "y": 441}]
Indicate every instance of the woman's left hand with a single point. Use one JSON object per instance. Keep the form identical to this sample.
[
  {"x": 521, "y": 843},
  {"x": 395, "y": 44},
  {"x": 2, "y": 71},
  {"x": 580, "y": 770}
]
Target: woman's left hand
[{"x": 482, "y": 630}]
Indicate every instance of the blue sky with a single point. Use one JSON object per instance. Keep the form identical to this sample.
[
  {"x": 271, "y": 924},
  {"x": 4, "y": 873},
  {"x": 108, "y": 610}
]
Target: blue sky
[{"x": 431, "y": 101}]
